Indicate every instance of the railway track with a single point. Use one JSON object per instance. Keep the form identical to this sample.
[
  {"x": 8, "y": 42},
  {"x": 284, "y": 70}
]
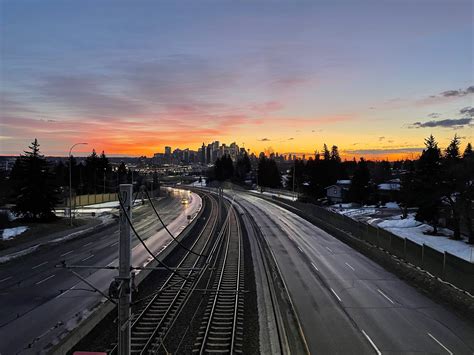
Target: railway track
[
  {"x": 153, "y": 319},
  {"x": 221, "y": 328}
]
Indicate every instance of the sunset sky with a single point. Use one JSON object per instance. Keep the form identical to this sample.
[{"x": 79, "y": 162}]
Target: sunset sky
[{"x": 129, "y": 77}]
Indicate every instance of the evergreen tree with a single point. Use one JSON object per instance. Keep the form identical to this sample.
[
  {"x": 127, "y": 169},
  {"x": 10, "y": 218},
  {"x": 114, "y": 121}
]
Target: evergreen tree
[
  {"x": 360, "y": 189},
  {"x": 92, "y": 172},
  {"x": 268, "y": 173},
  {"x": 453, "y": 183},
  {"x": 122, "y": 173},
  {"x": 242, "y": 167},
  {"x": 466, "y": 195},
  {"x": 407, "y": 191},
  {"x": 427, "y": 184},
  {"x": 468, "y": 152},
  {"x": 453, "y": 149},
  {"x": 326, "y": 153},
  {"x": 335, "y": 154},
  {"x": 36, "y": 193}
]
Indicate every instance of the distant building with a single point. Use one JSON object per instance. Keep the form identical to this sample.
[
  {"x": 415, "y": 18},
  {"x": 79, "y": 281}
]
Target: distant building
[
  {"x": 390, "y": 190},
  {"x": 203, "y": 154},
  {"x": 337, "y": 193}
]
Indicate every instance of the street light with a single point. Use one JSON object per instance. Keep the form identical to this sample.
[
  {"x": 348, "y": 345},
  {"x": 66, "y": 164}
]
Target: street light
[{"x": 70, "y": 182}]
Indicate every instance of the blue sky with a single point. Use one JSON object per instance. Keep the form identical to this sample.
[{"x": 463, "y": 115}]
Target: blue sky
[{"x": 133, "y": 76}]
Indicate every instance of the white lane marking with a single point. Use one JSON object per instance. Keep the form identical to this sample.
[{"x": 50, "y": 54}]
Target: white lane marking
[
  {"x": 335, "y": 294},
  {"x": 69, "y": 252},
  {"x": 44, "y": 280},
  {"x": 383, "y": 294},
  {"x": 70, "y": 289},
  {"x": 436, "y": 340},
  {"x": 88, "y": 244},
  {"x": 329, "y": 249},
  {"x": 301, "y": 250},
  {"x": 6, "y": 278},
  {"x": 350, "y": 267},
  {"x": 371, "y": 342},
  {"x": 315, "y": 267},
  {"x": 90, "y": 256},
  {"x": 37, "y": 266}
]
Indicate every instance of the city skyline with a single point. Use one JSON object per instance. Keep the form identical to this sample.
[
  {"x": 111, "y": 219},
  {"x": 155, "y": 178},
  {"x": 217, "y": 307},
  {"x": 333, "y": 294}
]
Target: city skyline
[{"x": 374, "y": 78}]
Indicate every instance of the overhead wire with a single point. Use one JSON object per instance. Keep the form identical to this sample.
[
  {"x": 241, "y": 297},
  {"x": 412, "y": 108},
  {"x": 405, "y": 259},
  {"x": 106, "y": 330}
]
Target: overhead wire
[
  {"x": 166, "y": 228},
  {"x": 145, "y": 246}
]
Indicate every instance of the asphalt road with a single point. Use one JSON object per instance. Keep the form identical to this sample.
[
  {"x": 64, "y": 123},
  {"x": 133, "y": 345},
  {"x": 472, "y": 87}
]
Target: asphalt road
[
  {"x": 348, "y": 304},
  {"x": 38, "y": 301}
]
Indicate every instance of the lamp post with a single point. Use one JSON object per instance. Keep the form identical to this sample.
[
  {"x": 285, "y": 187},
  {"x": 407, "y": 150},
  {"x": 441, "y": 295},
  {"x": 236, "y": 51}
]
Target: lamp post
[
  {"x": 70, "y": 182},
  {"x": 294, "y": 177}
]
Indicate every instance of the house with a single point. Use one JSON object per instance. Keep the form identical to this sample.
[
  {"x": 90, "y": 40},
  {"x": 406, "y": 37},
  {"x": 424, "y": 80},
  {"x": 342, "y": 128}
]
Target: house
[
  {"x": 390, "y": 190},
  {"x": 337, "y": 193}
]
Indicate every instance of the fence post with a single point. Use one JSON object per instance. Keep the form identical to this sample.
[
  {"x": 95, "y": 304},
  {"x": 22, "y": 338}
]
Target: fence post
[{"x": 405, "y": 248}]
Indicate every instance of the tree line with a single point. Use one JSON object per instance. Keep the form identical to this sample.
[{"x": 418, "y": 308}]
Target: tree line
[
  {"x": 37, "y": 186},
  {"x": 440, "y": 184}
]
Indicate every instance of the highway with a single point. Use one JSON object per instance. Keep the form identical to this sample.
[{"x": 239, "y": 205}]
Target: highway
[
  {"x": 346, "y": 303},
  {"x": 38, "y": 302}
]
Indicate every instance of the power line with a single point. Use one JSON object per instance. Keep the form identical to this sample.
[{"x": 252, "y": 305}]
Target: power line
[
  {"x": 145, "y": 246},
  {"x": 166, "y": 228}
]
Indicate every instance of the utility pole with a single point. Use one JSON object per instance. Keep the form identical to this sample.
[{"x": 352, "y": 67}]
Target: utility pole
[
  {"x": 294, "y": 176},
  {"x": 125, "y": 254}
]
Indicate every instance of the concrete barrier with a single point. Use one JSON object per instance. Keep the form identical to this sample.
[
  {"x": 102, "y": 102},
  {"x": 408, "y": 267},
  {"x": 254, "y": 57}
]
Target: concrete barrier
[
  {"x": 459, "y": 272},
  {"x": 397, "y": 245},
  {"x": 433, "y": 261}
]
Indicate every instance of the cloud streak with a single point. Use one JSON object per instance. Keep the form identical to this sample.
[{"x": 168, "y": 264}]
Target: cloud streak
[{"x": 447, "y": 123}]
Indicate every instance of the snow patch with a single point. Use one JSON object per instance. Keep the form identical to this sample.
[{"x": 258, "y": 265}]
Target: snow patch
[
  {"x": 409, "y": 222},
  {"x": 10, "y": 233},
  {"x": 416, "y": 231},
  {"x": 392, "y": 205}
]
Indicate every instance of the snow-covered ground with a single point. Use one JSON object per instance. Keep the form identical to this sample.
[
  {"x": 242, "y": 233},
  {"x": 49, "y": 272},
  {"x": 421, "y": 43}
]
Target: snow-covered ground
[
  {"x": 280, "y": 195},
  {"x": 199, "y": 184},
  {"x": 10, "y": 233},
  {"x": 415, "y": 231},
  {"x": 102, "y": 207},
  {"x": 408, "y": 228}
]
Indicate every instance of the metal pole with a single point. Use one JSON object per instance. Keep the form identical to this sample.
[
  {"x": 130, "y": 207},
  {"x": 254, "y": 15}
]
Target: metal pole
[
  {"x": 294, "y": 176},
  {"x": 125, "y": 253},
  {"x": 70, "y": 181}
]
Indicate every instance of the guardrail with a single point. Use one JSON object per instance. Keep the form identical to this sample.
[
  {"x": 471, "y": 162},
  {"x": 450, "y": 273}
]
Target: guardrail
[{"x": 446, "y": 266}]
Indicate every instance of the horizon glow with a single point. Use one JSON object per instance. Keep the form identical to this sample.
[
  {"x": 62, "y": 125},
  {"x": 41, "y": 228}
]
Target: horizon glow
[{"x": 373, "y": 77}]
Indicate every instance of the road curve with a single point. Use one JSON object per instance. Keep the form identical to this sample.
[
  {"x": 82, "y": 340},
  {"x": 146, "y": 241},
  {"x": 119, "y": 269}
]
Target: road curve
[
  {"x": 39, "y": 302},
  {"x": 346, "y": 303}
]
